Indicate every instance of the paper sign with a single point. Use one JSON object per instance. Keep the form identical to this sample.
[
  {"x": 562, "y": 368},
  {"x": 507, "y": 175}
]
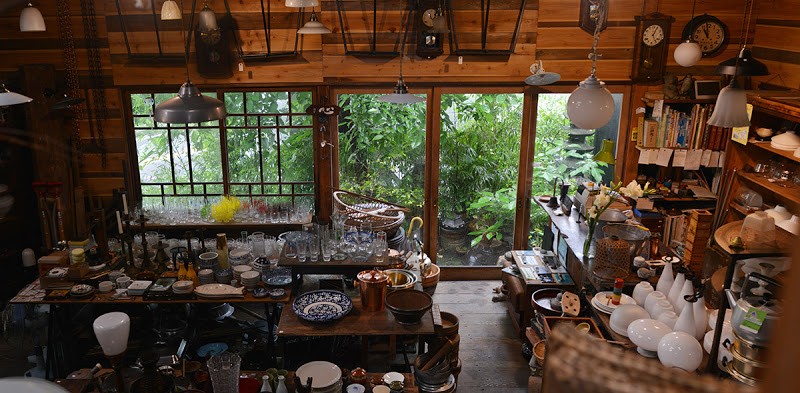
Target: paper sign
[
  {"x": 664, "y": 155},
  {"x": 693, "y": 160},
  {"x": 753, "y": 320},
  {"x": 680, "y": 158},
  {"x": 658, "y": 107},
  {"x": 740, "y": 133},
  {"x": 713, "y": 161},
  {"x": 705, "y": 158}
]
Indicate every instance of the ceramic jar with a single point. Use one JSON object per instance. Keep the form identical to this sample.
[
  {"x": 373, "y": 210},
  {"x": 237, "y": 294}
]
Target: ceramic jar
[
  {"x": 685, "y": 322},
  {"x": 665, "y": 281},
  {"x": 675, "y": 291},
  {"x": 700, "y": 317}
]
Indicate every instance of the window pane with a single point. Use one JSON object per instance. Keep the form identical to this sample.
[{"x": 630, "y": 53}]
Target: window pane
[
  {"x": 180, "y": 155},
  {"x": 565, "y": 152},
  {"x": 269, "y": 151},
  {"x": 382, "y": 150},
  {"x": 479, "y": 157},
  {"x": 243, "y": 157},
  {"x": 234, "y": 102},
  {"x": 297, "y": 155},
  {"x": 267, "y": 102},
  {"x": 153, "y": 151},
  {"x": 206, "y": 155}
]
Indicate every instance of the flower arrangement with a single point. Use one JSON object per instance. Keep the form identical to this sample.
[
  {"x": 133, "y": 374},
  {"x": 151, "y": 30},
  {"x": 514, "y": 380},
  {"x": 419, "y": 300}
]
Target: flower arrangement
[
  {"x": 605, "y": 198},
  {"x": 224, "y": 210}
]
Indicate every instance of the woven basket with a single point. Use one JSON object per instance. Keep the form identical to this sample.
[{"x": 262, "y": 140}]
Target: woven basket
[{"x": 384, "y": 216}]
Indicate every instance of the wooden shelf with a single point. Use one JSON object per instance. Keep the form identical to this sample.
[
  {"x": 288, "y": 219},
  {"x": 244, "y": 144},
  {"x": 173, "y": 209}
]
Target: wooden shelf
[
  {"x": 783, "y": 153},
  {"x": 791, "y": 193}
]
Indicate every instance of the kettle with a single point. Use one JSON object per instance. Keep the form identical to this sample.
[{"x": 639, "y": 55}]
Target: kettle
[
  {"x": 758, "y": 295},
  {"x": 373, "y": 285}
]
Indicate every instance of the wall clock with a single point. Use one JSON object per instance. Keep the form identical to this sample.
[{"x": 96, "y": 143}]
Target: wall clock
[
  {"x": 429, "y": 42},
  {"x": 709, "y": 32},
  {"x": 652, "y": 44}
]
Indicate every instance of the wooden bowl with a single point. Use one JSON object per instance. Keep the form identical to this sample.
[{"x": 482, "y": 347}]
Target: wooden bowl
[
  {"x": 408, "y": 305},
  {"x": 539, "y": 351}
]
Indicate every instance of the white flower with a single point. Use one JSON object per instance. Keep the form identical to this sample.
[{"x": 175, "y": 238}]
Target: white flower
[
  {"x": 632, "y": 190},
  {"x": 602, "y": 199},
  {"x": 592, "y": 212}
]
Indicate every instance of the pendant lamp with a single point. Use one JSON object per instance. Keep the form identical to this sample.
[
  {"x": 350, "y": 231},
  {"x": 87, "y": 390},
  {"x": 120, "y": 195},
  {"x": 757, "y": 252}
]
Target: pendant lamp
[
  {"x": 170, "y": 11},
  {"x": 302, "y": 3},
  {"x": 743, "y": 64},
  {"x": 591, "y": 105},
  {"x": 112, "y": 330},
  {"x": 688, "y": 53},
  {"x": 313, "y": 26},
  {"x": 8, "y": 97},
  {"x": 31, "y": 19},
  {"x": 189, "y": 106},
  {"x": 730, "y": 110},
  {"x": 400, "y": 95},
  {"x": 606, "y": 153},
  {"x": 207, "y": 19}
]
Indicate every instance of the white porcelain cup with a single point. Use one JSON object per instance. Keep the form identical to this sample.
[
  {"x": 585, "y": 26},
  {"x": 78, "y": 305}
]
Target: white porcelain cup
[
  {"x": 105, "y": 286},
  {"x": 123, "y": 282}
]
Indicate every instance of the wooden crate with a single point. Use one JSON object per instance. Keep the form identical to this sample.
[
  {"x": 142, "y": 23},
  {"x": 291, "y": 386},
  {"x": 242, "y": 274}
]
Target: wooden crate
[{"x": 551, "y": 322}]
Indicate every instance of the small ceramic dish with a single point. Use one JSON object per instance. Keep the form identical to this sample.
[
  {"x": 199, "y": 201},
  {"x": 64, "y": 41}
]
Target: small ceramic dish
[
  {"x": 392, "y": 376},
  {"x": 277, "y": 293},
  {"x": 260, "y": 292},
  {"x": 211, "y": 349},
  {"x": 81, "y": 290}
]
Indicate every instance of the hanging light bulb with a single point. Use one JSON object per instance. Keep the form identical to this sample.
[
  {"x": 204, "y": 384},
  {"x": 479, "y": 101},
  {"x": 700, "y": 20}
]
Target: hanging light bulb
[
  {"x": 688, "y": 53},
  {"x": 302, "y": 3},
  {"x": 207, "y": 19},
  {"x": 170, "y": 10},
  {"x": 31, "y": 19},
  {"x": 591, "y": 105},
  {"x": 313, "y": 26}
]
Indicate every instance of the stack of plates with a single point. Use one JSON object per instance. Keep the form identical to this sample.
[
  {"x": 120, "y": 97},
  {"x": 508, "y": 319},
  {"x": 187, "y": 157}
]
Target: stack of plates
[
  {"x": 326, "y": 376},
  {"x": 786, "y": 141},
  {"x": 602, "y": 302},
  {"x": 182, "y": 287},
  {"x": 238, "y": 270},
  {"x": 250, "y": 279},
  {"x": 205, "y": 276}
]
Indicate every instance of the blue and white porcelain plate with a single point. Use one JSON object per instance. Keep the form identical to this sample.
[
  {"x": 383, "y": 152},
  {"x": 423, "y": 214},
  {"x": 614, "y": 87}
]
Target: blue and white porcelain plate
[{"x": 322, "y": 305}]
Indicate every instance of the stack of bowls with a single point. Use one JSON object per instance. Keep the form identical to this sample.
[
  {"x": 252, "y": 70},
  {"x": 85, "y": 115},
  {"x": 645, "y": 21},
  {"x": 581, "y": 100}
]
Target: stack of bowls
[
  {"x": 77, "y": 255},
  {"x": 437, "y": 378},
  {"x": 205, "y": 276},
  {"x": 182, "y": 287},
  {"x": 240, "y": 256},
  {"x": 208, "y": 260},
  {"x": 250, "y": 279},
  {"x": 326, "y": 376},
  {"x": 238, "y": 270},
  {"x": 260, "y": 264},
  {"x": 223, "y": 276}
]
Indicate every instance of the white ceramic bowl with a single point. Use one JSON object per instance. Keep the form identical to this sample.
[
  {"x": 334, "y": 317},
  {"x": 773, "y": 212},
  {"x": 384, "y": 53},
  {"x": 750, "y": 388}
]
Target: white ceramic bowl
[
  {"x": 646, "y": 333},
  {"x": 624, "y": 315},
  {"x": 712, "y": 318},
  {"x": 660, "y": 307},
  {"x": 680, "y": 350},
  {"x": 669, "y": 318},
  {"x": 791, "y": 225}
]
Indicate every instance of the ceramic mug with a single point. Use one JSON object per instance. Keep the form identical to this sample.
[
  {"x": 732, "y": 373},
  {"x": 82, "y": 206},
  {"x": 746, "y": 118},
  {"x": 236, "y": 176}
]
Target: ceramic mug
[{"x": 123, "y": 282}]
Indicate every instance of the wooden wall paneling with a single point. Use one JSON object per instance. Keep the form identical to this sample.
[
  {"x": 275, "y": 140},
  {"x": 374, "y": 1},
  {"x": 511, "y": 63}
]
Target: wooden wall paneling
[{"x": 775, "y": 43}]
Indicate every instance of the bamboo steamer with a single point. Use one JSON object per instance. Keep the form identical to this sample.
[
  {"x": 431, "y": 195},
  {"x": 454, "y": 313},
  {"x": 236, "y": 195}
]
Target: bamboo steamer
[{"x": 430, "y": 280}]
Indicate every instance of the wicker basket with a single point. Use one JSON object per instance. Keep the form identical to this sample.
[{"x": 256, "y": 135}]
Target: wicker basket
[{"x": 384, "y": 216}]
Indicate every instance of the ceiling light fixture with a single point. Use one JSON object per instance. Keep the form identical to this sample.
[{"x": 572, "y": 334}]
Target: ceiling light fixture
[
  {"x": 606, "y": 153},
  {"x": 541, "y": 77},
  {"x": 688, "y": 53},
  {"x": 8, "y": 97},
  {"x": 313, "y": 26},
  {"x": 170, "y": 10},
  {"x": 189, "y": 106},
  {"x": 207, "y": 19},
  {"x": 302, "y": 3},
  {"x": 743, "y": 64},
  {"x": 400, "y": 95},
  {"x": 591, "y": 105},
  {"x": 31, "y": 19}
]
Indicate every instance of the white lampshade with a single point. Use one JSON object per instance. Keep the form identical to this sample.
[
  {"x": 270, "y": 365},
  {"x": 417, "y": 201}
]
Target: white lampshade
[
  {"x": 112, "y": 330},
  {"x": 313, "y": 26},
  {"x": 688, "y": 53},
  {"x": 8, "y": 97},
  {"x": 731, "y": 108},
  {"x": 170, "y": 11},
  {"x": 31, "y": 19},
  {"x": 302, "y": 3},
  {"x": 207, "y": 20},
  {"x": 400, "y": 95},
  {"x": 591, "y": 105}
]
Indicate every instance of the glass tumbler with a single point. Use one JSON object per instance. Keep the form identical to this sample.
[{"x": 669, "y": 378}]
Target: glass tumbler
[
  {"x": 302, "y": 249},
  {"x": 224, "y": 371},
  {"x": 258, "y": 243}
]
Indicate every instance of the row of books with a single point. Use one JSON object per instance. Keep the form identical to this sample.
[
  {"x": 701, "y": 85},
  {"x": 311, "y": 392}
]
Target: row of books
[{"x": 677, "y": 129}]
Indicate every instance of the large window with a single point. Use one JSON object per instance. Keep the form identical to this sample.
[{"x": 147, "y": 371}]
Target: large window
[{"x": 263, "y": 149}]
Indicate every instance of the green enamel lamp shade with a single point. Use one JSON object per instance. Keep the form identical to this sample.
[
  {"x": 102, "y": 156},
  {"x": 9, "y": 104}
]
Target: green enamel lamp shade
[{"x": 606, "y": 153}]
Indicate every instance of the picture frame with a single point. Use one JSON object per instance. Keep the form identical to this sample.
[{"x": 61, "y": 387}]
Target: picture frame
[{"x": 706, "y": 89}]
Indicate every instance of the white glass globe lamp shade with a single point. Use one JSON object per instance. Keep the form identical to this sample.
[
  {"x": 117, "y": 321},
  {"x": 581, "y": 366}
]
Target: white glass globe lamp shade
[
  {"x": 591, "y": 105},
  {"x": 112, "y": 330},
  {"x": 731, "y": 108},
  {"x": 31, "y": 19},
  {"x": 688, "y": 53},
  {"x": 170, "y": 11},
  {"x": 208, "y": 20}
]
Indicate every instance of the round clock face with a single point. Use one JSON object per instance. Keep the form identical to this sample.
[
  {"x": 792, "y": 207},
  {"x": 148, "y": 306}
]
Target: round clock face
[
  {"x": 428, "y": 16},
  {"x": 653, "y": 35},
  {"x": 709, "y": 32}
]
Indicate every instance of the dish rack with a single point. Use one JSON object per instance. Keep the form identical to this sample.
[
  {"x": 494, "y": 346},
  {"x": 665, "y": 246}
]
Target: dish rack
[{"x": 383, "y": 215}]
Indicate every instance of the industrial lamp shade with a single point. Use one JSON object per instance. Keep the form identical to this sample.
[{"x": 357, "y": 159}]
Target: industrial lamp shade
[
  {"x": 606, "y": 153},
  {"x": 731, "y": 108},
  {"x": 302, "y": 3},
  {"x": 591, "y": 105},
  {"x": 688, "y": 53},
  {"x": 747, "y": 65},
  {"x": 313, "y": 26},
  {"x": 189, "y": 107},
  {"x": 112, "y": 330},
  {"x": 31, "y": 19},
  {"x": 8, "y": 97},
  {"x": 207, "y": 20},
  {"x": 170, "y": 11},
  {"x": 400, "y": 95}
]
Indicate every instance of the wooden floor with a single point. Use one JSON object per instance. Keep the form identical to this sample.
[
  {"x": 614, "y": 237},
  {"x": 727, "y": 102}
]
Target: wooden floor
[{"x": 490, "y": 352}]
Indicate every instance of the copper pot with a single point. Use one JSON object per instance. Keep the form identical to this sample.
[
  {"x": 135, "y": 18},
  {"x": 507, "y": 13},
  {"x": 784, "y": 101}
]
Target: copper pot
[{"x": 372, "y": 285}]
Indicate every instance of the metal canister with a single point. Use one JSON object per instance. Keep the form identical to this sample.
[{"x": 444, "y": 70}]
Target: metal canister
[{"x": 372, "y": 285}]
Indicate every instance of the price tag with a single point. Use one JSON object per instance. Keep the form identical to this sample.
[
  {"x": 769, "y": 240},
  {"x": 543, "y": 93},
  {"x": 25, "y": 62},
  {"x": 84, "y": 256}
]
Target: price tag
[{"x": 754, "y": 319}]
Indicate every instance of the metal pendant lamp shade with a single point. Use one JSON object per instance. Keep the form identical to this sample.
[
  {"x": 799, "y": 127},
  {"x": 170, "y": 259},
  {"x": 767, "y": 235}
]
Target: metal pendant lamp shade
[
  {"x": 313, "y": 26},
  {"x": 591, "y": 105},
  {"x": 731, "y": 108},
  {"x": 207, "y": 19},
  {"x": 302, "y": 3},
  {"x": 8, "y": 97},
  {"x": 170, "y": 11},
  {"x": 606, "y": 153},
  {"x": 189, "y": 107},
  {"x": 31, "y": 19},
  {"x": 400, "y": 95},
  {"x": 748, "y": 66}
]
